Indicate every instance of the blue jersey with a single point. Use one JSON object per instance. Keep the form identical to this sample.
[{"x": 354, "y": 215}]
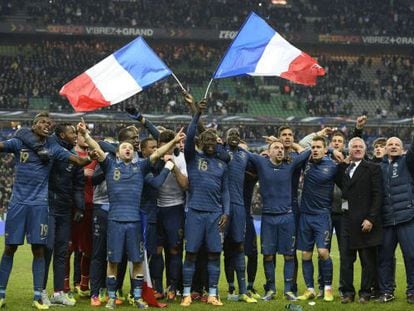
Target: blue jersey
[
  {"x": 276, "y": 182},
  {"x": 124, "y": 182},
  {"x": 207, "y": 176},
  {"x": 295, "y": 183},
  {"x": 32, "y": 175},
  {"x": 237, "y": 169},
  {"x": 318, "y": 186},
  {"x": 250, "y": 182},
  {"x": 150, "y": 193}
]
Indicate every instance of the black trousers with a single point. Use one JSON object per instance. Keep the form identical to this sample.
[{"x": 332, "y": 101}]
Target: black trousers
[
  {"x": 98, "y": 258},
  {"x": 368, "y": 258}
]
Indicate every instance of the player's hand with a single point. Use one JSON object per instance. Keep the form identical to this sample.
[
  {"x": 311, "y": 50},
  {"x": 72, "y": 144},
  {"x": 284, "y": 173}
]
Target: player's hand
[
  {"x": 169, "y": 165},
  {"x": 180, "y": 135},
  {"x": 188, "y": 98},
  {"x": 338, "y": 156},
  {"x": 168, "y": 157},
  {"x": 82, "y": 127},
  {"x": 270, "y": 139},
  {"x": 223, "y": 221},
  {"x": 78, "y": 216},
  {"x": 361, "y": 121},
  {"x": 325, "y": 132},
  {"x": 133, "y": 113},
  {"x": 366, "y": 226},
  {"x": 202, "y": 105}
]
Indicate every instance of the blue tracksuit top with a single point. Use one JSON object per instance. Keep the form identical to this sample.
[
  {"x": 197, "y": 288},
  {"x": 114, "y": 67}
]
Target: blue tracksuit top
[{"x": 318, "y": 185}]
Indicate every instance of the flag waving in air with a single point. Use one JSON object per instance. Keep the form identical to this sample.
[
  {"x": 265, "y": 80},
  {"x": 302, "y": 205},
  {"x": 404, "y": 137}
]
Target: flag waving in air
[
  {"x": 117, "y": 77},
  {"x": 258, "y": 50}
]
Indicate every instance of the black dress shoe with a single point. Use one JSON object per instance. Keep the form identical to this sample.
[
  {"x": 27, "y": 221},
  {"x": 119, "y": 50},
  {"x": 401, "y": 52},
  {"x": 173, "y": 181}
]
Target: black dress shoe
[{"x": 347, "y": 299}]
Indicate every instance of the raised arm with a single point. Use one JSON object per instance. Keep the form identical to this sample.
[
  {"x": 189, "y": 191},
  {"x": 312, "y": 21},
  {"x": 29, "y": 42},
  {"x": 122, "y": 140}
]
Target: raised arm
[
  {"x": 133, "y": 113},
  {"x": 189, "y": 100},
  {"x": 92, "y": 144},
  {"x": 189, "y": 148},
  {"x": 164, "y": 149}
]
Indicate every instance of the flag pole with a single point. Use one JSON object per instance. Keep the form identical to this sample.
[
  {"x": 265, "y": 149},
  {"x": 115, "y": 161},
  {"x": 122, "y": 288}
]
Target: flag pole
[
  {"x": 208, "y": 88},
  {"x": 178, "y": 81}
]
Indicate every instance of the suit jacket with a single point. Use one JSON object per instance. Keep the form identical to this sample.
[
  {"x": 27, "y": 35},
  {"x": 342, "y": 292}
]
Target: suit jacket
[{"x": 364, "y": 195}]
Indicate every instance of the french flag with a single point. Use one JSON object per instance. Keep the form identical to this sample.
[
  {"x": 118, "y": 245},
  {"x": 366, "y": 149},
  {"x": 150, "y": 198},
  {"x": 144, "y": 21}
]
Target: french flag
[
  {"x": 117, "y": 77},
  {"x": 258, "y": 50}
]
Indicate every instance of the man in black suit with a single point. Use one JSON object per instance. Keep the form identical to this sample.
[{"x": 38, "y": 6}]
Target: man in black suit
[{"x": 361, "y": 184}]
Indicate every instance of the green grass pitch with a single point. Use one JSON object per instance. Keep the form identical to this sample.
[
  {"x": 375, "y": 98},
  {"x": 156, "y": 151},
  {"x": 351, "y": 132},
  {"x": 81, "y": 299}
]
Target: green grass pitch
[{"x": 20, "y": 289}]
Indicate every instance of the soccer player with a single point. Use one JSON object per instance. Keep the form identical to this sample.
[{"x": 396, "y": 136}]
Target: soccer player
[
  {"x": 315, "y": 217},
  {"x": 28, "y": 208},
  {"x": 125, "y": 178},
  {"x": 250, "y": 240},
  {"x": 278, "y": 230},
  {"x": 234, "y": 239},
  {"x": 170, "y": 212},
  {"x": 208, "y": 207},
  {"x": 66, "y": 189}
]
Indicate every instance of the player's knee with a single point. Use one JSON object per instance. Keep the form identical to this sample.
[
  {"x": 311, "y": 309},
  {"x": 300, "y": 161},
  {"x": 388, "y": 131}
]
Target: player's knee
[
  {"x": 38, "y": 251},
  {"x": 213, "y": 256},
  {"x": 175, "y": 250},
  {"x": 323, "y": 253},
  {"x": 288, "y": 257},
  {"x": 268, "y": 257},
  {"x": 190, "y": 256},
  {"x": 306, "y": 255},
  {"x": 239, "y": 247},
  {"x": 159, "y": 250},
  {"x": 9, "y": 250}
]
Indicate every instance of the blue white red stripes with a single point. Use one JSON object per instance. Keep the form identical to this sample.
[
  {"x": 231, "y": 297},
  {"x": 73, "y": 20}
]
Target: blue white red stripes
[
  {"x": 117, "y": 77},
  {"x": 258, "y": 50}
]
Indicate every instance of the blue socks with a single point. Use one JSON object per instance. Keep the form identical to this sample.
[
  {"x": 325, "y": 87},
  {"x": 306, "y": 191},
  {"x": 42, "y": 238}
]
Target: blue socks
[
  {"x": 38, "y": 271},
  {"x": 326, "y": 269},
  {"x": 5, "y": 269},
  {"x": 188, "y": 272},
  {"x": 137, "y": 286},
  {"x": 269, "y": 270},
  {"x": 111, "y": 285},
  {"x": 288, "y": 271},
  {"x": 213, "y": 268},
  {"x": 240, "y": 266},
  {"x": 307, "y": 270}
]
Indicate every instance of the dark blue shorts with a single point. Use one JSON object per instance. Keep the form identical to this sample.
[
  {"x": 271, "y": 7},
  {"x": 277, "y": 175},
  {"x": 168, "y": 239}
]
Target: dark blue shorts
[
  {"x": 170, "y": 226},
  {"x": 203, "y": 227},
  {"x": 278, "y": 234},
  {"x": 124, "y": 237},
  {"x": 250, "y": 240},
  {"x": 314, "y": 229},
  {"x": 29, "y": 220},
  {"x": 236, "y": 228}
]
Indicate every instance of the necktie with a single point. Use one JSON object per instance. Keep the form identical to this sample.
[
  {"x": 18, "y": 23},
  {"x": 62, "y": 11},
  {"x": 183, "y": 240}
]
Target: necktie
[{"x": 349, "y": 169}]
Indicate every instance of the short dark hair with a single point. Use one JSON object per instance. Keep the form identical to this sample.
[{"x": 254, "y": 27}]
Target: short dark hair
[
  {"x": 43, "y": 114},
  {"x": 166, "y": 136},
  {"x": 125, "y": 134},
  {"x": 61, "y": 128},
  {"x": 145, "y": 142},
  {"x": 339, "y": 133},
  {"x": 320, "y": 138},
  {"x": 282, "y": 128}
]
